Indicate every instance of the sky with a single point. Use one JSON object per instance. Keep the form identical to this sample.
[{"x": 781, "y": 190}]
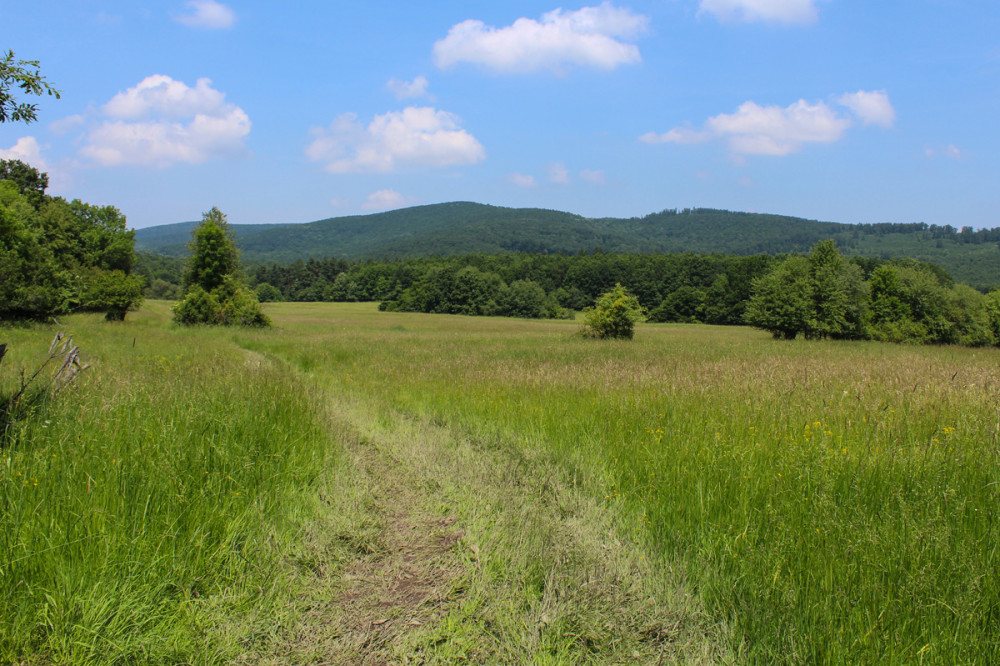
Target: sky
[{"x": 837, "y": 110}]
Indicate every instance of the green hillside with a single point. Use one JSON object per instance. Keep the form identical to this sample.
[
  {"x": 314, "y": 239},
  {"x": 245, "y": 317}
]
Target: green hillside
[
  {"x": 463, "y": 228},
  {"x": 171, "y": 239}
]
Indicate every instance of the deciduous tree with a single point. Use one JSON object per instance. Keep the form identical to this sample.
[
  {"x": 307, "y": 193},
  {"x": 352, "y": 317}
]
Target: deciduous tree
[{"x": 23, "y": 76}]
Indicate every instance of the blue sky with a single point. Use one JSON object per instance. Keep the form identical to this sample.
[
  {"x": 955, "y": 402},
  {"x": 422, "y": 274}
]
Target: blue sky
[{"x": 290, "y": 112}]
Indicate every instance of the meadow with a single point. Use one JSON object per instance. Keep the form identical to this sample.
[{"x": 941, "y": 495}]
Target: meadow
[{"x": 826, "y": 502}]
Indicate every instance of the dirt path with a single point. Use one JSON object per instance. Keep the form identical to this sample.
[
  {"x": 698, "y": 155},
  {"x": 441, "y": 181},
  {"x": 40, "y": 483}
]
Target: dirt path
[{"x": 437, "y": 549}]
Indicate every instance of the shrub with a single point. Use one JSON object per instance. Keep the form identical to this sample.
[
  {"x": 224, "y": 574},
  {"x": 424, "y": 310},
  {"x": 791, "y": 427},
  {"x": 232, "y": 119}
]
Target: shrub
[
  {"x": 197, "y": 307},
  {"x": 230, "y": 304},
  {"x": 114, "y": 292},
  {"x": 267, "y": 293},
  {"x": 613, "y": 315}
]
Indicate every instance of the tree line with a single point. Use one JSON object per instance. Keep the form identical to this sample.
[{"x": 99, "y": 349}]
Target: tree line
[
  {"x": 59, "y": 256},
  {"x": 823, "y": 295}
]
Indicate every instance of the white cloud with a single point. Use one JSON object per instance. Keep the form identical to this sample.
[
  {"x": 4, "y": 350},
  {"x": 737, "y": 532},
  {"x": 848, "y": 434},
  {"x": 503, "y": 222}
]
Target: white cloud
[
  {"x": 408, "y": 89},
  {"x": 872, "y": 107},
  {"x": 594, "y": 176},
  {"x": 590, "y": 37},
  {"x": 681, "y": 135},
  {"x": 951, "y": 151},
  {"x": 27, "y": 150},
  {"x": 771, "y": 11},
  {"x": 161, "y": 122},
  {"x": 413, "y": 137},
  {"x": 522, "y": 180},
  {"x": 772, "y": 130},
  {"x": 558, "y": 173},
  {"x": 387, "y": 199},
  {"x": 161, "y": 95},
  {"x": 208, "y": 14}
]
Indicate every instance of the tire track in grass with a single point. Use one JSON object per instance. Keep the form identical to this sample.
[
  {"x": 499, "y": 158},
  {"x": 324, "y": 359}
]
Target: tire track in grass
[{"x": 434, "y": 548}]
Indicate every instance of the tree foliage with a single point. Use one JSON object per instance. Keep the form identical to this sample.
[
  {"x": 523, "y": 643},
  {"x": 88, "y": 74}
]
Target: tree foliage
[
  {"x": 59, "y": 256},
  {"x": 821, "y": 295},
  {"x": 613, "y": 315},
  {"x": 214, "y": 293},
  {"x": 213, "y": 252},
  {"x": 23, "y": 76},
  {"x": 824, "y": 296}
]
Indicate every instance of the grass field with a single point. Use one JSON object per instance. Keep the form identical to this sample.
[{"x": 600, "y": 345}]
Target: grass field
[{"x": 826, "y": 502}]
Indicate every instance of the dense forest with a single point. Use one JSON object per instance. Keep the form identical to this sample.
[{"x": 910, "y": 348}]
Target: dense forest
[
  {"x": 460, "y": 228},
  {"x": 822, "y": 294}
]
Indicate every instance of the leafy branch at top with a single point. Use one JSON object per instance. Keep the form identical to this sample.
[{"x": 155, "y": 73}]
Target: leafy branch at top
[{"x": 23, "y": 75}]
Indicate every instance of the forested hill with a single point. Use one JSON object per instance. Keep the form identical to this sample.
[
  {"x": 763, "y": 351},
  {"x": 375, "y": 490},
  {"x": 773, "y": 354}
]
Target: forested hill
[{"x": 463, "y": 228}]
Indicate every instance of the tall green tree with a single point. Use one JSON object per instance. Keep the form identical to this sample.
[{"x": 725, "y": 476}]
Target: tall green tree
[
  {"x": 781, "y": 302},
  {"x": 838, "y": 295},
  {"x": 214, "y": 292},
  {"x": 213, "y": 252},
  {"x": 23, "y": 76},
  {"x": 822, "y": 296}
]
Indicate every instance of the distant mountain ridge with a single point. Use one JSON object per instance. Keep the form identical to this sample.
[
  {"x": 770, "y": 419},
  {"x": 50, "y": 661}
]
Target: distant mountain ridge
[{"x": 464, "y": 227}]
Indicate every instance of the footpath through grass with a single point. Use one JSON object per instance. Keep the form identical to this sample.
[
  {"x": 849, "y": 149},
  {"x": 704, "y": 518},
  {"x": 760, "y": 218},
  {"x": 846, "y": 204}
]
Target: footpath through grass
[{"x": 830, "y": 502}]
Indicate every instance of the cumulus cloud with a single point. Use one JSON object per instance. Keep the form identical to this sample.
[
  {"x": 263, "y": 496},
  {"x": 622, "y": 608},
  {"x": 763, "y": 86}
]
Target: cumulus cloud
[
  {"x": 386, "y": 200},
  {"x": 771, "y": 11},
  {"x": 773, "y": 130},
  {"x": 413, "y": 137},
  {"x": 593, "y": 176},
  {"x": 595, "y": 37},
  {"x": 161, "y": 95},
  {"x": 522, "y": 180},
  {"x": 408, "y": 89},
  {"x": 558, "y": 173},
  {"x": 872, "y": 107},
  {"x": 27, "y": 150},
  {"x": 161, "y": 122},
  {"x": 207, "y": 14}
]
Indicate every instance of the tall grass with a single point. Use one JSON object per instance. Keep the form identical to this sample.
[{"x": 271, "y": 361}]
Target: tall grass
[
  {"x": 145, "y": 512},
  {"x": 833, "y": 502}
]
